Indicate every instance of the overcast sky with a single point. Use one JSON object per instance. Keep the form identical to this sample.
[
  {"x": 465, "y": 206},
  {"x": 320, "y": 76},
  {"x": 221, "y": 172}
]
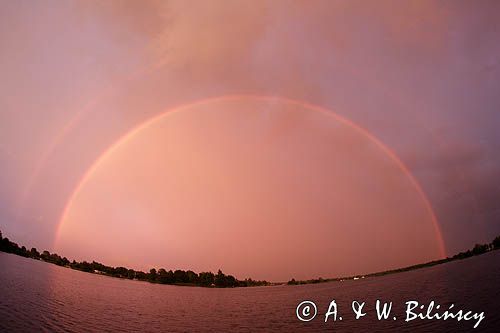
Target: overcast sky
[{"x": 422, "y": 77}]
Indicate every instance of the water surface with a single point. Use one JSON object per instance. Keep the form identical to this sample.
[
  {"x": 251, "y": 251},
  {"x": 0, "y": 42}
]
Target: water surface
[{"x": 37, "y": 296}]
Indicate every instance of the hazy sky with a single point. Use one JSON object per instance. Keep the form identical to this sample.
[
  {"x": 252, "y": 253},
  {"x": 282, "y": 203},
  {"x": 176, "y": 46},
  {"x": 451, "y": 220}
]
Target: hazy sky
[{"x": 421, "y": 77}]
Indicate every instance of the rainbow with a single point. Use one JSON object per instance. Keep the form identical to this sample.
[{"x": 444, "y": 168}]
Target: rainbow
[{"x": 130, "y": 135}]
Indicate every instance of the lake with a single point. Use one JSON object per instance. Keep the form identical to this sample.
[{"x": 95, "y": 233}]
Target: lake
[{"x": 37, "y": 296}]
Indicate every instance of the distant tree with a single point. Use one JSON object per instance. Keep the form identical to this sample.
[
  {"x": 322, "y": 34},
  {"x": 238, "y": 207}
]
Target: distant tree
[
  {"x": 45, "y": 255},
  {"x": 3, "y": 244},
  {"x": 84, "y": 266},
  {"x": 206, "y": 279},
  {"x": 23, "y": 252},
  {"x": 152, "y": 275},
  {"x": 231, "y": 281},
  {"x": 192, "y": 277},
  {"x": 121, "y": 272},
  {"x": 496, "y": 243},
  {"x": 140, "y": 275},
  {"x": 9, "y": 247},
  {"x": 55, "y": 259},
  {"x": 34, "y": 253},
  {"x": 221, "y": 280},
  {"x": 162, "y": 275},
  {"x": 479, "y": 249},
  {"x": 180, "y": 276}
]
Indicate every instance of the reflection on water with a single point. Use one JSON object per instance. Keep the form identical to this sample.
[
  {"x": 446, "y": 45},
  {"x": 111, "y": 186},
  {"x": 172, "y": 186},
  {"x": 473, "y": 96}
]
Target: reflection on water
[{"x": 35, "y": 296}]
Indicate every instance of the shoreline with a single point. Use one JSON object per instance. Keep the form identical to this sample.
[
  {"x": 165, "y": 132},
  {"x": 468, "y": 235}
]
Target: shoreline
[
  {"x": 209, "y": 279},
  {"x": 478, "y": 249}
]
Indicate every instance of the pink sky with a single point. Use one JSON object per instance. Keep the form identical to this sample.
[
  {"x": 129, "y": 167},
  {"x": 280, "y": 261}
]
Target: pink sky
[
  {"x": 420, "y": 76},
  {"x": 261, "y": 188}
]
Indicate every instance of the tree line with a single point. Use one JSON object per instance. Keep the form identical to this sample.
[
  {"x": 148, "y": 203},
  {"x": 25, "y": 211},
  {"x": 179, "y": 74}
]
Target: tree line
[
  {"x": 476, "y": 250},
  {"x": 177, "y": 277}
]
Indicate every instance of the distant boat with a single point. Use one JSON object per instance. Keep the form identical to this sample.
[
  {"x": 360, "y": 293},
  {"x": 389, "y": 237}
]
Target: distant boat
[{"x": 356, "y": 278}]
